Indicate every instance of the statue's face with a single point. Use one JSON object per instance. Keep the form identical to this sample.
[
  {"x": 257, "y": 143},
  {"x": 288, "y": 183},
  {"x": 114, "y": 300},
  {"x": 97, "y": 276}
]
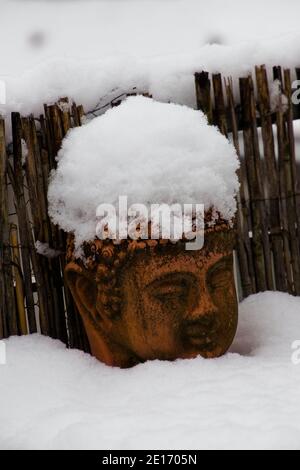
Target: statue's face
[
  {"x": 178, "y": 306},
  {"x": 173, "y": 306}
]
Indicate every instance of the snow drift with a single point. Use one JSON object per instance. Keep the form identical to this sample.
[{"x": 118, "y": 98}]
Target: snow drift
[{"x": 52, "y": 398}]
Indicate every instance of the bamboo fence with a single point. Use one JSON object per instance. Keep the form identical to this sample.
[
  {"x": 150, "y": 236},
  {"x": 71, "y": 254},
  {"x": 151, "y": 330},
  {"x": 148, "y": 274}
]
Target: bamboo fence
[
  {"x": 268, "y": 219},
  {"x": 33, "y": 295}
]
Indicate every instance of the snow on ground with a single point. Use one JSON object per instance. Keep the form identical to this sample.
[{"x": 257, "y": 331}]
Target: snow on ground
[
  {"x": 58, "y": 399},
  {"x": 85, "y": 49},
  {"x": 151, "y": 152},
  {"x": 54, "y": 398}
]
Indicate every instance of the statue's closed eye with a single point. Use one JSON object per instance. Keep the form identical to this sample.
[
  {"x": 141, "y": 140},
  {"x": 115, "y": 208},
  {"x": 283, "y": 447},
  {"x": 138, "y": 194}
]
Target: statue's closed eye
[
  {"x": 220, "y": 275},
  {"x": 221, "y": 280},
  {"x": 171, "y": 287},
  {"x": 169, "y": 292}
]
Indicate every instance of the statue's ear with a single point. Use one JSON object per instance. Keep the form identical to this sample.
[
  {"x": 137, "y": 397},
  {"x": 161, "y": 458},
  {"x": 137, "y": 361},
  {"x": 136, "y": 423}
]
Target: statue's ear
[{"x": 83, "y": 288}]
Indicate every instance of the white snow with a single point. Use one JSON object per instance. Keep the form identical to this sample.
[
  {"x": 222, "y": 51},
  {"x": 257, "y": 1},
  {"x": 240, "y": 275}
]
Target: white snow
[
  {"x": 151, "y": 152},
  {"x": 45, "y": 250},
  {"x": 277, "y": 99},
  {"x": 91, "y": 51},
  {"x": 52, "y": 398},
  {"x": 86, "y": 49}
]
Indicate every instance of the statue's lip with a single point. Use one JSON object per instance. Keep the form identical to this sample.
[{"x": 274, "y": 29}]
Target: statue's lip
[
  {"x": 197, "y": 329},
  {"x": 203, "y": 343},
  {"x": 199, "y": 335}
]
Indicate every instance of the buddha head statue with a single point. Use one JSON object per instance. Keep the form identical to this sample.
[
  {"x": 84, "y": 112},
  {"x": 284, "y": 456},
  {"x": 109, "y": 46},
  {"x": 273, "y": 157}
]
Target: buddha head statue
[
  {"x": 142, "y": 299},
  {"x": 152, "y": 299}
]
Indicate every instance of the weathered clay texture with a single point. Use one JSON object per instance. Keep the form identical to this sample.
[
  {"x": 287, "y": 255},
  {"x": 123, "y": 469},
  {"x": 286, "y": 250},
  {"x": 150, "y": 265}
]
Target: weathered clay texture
[{"x": 154, "y": 300}]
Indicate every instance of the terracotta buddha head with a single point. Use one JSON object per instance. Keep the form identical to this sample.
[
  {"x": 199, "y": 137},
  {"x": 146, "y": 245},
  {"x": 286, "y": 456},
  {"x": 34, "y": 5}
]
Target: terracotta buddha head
[
  {"x": 153, "y": 299},
  {"x": 149, "y": 299}
]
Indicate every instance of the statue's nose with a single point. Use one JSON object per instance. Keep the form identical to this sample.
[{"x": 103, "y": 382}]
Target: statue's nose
[{"x": 204, "y": 311}]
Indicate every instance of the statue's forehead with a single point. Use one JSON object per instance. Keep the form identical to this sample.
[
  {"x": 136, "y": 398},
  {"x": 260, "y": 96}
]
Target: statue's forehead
[{"x": 149, "y": 268}]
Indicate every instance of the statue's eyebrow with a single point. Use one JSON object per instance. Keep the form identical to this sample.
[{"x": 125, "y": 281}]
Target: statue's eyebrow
[
  {"x": 174, "y": 278},
  {"x": 226, "y": 261}
]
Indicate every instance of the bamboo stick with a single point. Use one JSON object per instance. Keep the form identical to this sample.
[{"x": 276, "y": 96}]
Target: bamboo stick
[
  {"x": 220, "y": 111},
  {"x": 48, "y": 136},
  {"x": 64, "y": 113},
  {"x": 75, "y": 116},
  {"x": 52, "y": 282},
  {"x": 74, "y": 337},
  {"x": 41, "y": 184},
  {"x": 260, "y": 240},
  {"x": 282, "y": 146},
  {"x": 24, "y": 227},
  {"x": 39, "y": 214},
  {"x": 261, "y": 190},
  {"x": 7, "y": 300},
  {"x": 271, "y": 182},
  {"x": 58, "y": 122},
  {"x": 76, "y": 331},
  {"x": 22, "y": 321},
  {"x": 3, "y": 217},
  {"x": 243, "y": 242},
  {"x": 203, "y": 95},
  {"x": 80, "y": 113},
  {"x": 56, "y": 127}
]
